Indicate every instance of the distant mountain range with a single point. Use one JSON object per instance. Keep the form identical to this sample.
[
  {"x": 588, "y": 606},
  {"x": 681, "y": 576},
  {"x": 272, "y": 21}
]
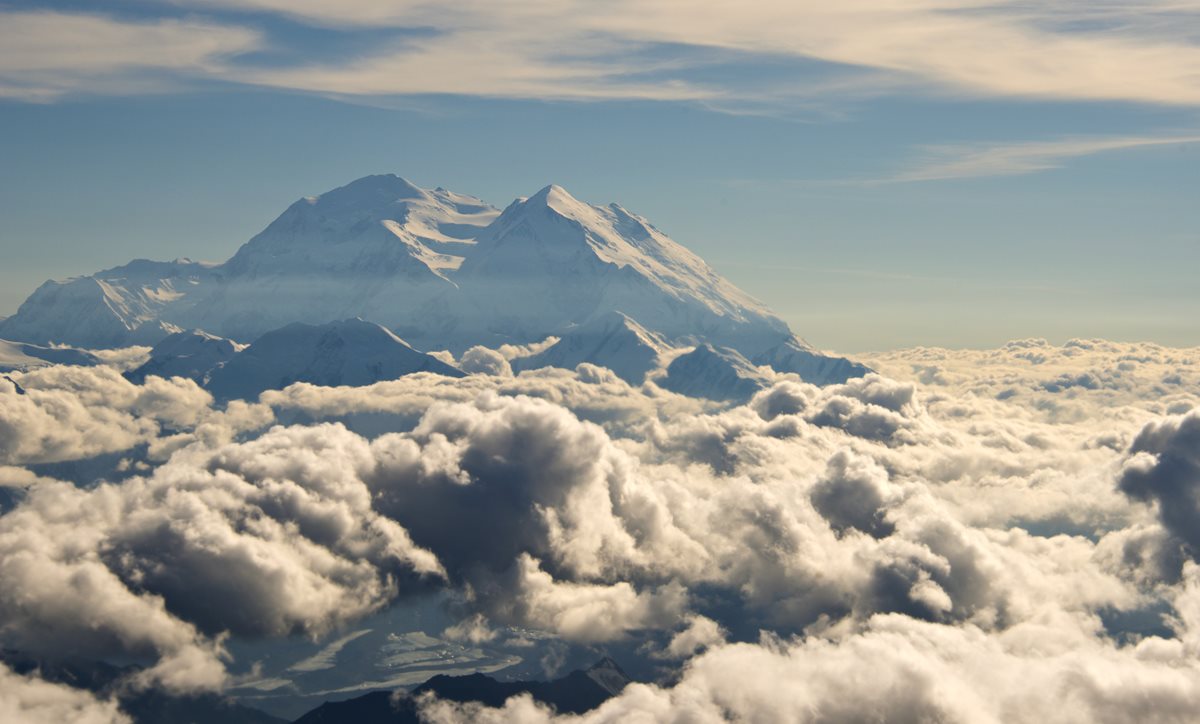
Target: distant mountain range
[
  {"x": 575, "y": 693},
  {"x": 438, "y": 271}
]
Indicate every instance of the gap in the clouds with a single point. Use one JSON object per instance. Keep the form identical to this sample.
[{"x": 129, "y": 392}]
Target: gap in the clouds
[
  {"x": 1129, "y": 627},
  {"x": 109, "y": 467},
  {"x": 1058, "y": 525},
  {"x": 292, "y": 44},
  {"x": 368, "y": 424}
]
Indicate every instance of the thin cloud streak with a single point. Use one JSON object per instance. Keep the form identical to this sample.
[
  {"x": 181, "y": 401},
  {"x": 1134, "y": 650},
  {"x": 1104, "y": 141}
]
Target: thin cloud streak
[
  {"x": 893, "y": 276},
  {"x": 958, "y": 161}
]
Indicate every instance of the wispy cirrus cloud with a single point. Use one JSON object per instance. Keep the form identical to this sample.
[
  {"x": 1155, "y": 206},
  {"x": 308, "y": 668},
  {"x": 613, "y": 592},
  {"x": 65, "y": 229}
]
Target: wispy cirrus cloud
[
  {"x": 966, "y": 160},
  {"x": 522, "y": 63},
  {"x": 46, "y": 55},
  {"x": 653, "y": 49},
  {"x": 1066, "y": 50}
]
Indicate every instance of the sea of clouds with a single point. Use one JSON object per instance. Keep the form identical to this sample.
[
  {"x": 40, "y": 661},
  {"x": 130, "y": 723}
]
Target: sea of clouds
[{"x": 1005, "y": 535}]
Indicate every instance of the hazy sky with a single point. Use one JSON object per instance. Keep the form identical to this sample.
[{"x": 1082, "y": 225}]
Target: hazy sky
[{"x": 886, "y": 173}]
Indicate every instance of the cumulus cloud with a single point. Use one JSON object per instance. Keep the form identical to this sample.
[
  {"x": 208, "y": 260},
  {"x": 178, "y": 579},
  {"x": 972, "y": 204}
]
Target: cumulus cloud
[
  {"x": 700, "y": 633},
  {"x": 31, "y": 700},
  {"x": 898, "y": 669},
  {"x": 71, "y": 413},
  {"x": 530, "y": 479},
  {"x": 584, "y": 612},
  {"x": 853, "y": 496},
  {"x": 474, "y": 629},
  {"x": 266, "y": 538},
  {"x": 908, "y": 533},
  {"x": 1163, "y": 468},
  {"x": 481, "y": 360}
]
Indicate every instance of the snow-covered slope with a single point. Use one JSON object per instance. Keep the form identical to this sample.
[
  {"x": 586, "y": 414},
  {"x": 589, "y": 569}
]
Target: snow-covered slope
[
  {"x": 349, "y": 352},
  {"x": 192, "y": 354},
  {"x": 551, "y": 261},
  {"x": 611, "y": 340},
  {"x": 715, "y": 373},
  {"x": 116, "y": 307},
  {"x": 812, "y": 366},
  {"x": 378, "y": 248},
  {"x": 20, "y": 356},
  {"x": 375, "y": 225}
]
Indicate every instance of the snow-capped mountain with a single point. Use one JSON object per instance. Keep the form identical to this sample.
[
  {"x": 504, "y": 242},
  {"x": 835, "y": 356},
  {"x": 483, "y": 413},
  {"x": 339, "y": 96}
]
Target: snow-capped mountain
[
  {"x": 715, "y": 373},
  {"x": 193, "y": 354},
  {"x": 442, "y": 271},
  {"x": 612, "y": 340},
  {"x": 349, "y": 352}
]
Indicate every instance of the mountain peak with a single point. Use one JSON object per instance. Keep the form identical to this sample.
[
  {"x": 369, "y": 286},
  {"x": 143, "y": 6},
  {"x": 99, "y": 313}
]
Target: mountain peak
[
  {"x": 557, "y": 198},
  {"x": 389, "y": 182},
  {"x": 607, "y": 674},
  {"x": 550, "y": 192},
  {"x": 369, "y": 191}
]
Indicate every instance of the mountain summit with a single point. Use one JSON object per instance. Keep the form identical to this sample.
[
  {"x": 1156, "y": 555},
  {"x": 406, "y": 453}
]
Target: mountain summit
[
  {"x": 441, "y": 270},
  {"x": 555, "y": 262}
]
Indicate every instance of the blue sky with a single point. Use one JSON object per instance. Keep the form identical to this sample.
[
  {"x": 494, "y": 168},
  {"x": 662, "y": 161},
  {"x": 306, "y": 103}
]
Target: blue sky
[{"x": 882, "y": 174}]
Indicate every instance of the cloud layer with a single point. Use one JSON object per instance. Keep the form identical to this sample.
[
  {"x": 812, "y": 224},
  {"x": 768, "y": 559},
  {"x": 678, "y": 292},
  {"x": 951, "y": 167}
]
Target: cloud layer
[{"x": 922, "y": 542}]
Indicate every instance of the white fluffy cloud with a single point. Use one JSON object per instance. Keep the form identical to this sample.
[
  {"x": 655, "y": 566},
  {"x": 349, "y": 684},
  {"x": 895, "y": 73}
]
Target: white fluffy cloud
[
  {"x": 901, "y": 538},
  {"x": 897, "y": 669},
  {"x": 271, "y": 537},
  {"x": 71, "y": 413},
  {"x": 30, "y": 700}
]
